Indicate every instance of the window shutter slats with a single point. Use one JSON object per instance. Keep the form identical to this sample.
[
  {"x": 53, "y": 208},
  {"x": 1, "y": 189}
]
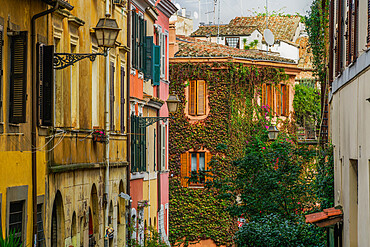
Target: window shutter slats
[
  {"x": 355, "y": 30},
  {"x": 349, "y": 43},
  {"x": 192, "y": 97},
  {"x": 263, "y": 95},
  {"x": 338, "y": 50},
  {"x": 163, "y": 147},
  {"x": 157, "y": 65},
  {"x": 286, "y": 99},
  {"x": 207, "y": 167},
  {"x": 201, "y": 97},
  {"x": 18, "y": 79},
  {"x": 149, "y": 57},
  {"x": 46, "y": 89},
  {"x": 368, "y": 22},
  {"x": 184, "y": 169},
  {"x": 122, "y": 99},
  {"x": 269, "y": 96},
  {"x": 278, "y": 100}
]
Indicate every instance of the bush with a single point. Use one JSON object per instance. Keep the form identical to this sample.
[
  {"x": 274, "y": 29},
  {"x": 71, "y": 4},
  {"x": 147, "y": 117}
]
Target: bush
[{"x": 273, "y": 230}]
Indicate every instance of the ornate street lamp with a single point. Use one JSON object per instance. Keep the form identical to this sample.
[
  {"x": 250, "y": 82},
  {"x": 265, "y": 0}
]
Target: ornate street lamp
[
  {"x": 106, "y": 32},
  {"x": 272, "y": 132},
  {"x": 172, "y": 105}
]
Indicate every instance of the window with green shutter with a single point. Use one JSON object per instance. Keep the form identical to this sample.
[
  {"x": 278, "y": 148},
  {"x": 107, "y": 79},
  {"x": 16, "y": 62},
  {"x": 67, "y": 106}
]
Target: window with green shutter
[
  {"x": 149, "y": 57},
  {"x": 18, "y": 78},
  {"x": 157, "y": 65}
]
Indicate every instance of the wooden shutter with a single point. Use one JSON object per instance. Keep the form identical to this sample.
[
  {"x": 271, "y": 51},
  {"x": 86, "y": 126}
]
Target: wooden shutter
[
  {"x": 338, "y": 49},
  {"x": 1, "y": 72},
  {"x": 331, "y": 41},
  {"x": 185, "y": 169},
  {"x": 46, "y": 89},
  {"x": 269, "y": 96},
  {"x": 111, "y": 96},
  {"x": 201, "y": 97},
  {"x": 263, "y": 95},
  {"x": 157, "y": 65},
  {"x": 286, "y": 100},
  {"x": 149, "y": 58},
  {"x": 207, "y": 167},
  {"x": 18, "y": 78},
  {"x": 133, "y": 37},
  {"x": 122, "y": 100},
  {"x": 355, "y": 30},
  {"x": 163, "y": 147},
  {"x": 192, "y": 98},
  {"x": 278, "y": 100}
]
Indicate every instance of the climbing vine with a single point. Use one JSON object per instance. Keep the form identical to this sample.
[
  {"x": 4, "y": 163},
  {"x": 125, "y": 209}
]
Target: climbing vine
[{"x": 198, "y": 214}]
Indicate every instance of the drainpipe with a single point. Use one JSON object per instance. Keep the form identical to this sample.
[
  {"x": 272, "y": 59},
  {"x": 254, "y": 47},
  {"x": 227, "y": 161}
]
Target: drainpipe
[
  {"x": 128, "y": 146},
  {"x": 107, "y": 129},
  {"x": 34, "y": 119}
]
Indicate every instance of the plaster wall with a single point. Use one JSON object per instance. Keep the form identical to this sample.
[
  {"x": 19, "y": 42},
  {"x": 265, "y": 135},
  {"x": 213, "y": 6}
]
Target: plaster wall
[{"x": 350, "y": 113}]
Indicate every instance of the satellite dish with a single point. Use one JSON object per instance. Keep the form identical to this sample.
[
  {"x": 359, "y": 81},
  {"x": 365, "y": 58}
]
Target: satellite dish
[
  {"x": 269, "y": 36},
  {"x": 178, "y": 6},
  {"x": 196, "y": 15}
]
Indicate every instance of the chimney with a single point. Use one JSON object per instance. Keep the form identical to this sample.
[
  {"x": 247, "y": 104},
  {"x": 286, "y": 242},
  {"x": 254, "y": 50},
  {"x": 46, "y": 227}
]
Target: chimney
[
  {"x": 173, "y": 46},
  {"x": 183, "y": 12}
]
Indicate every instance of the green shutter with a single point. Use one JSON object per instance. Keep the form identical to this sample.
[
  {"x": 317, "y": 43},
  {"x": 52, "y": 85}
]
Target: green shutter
[
  {"x": 157, "y": 65},
  {"x": 149, "y": 58},
  {"x": 47, "y": 86},
  {"x": 18, "y": 78}
]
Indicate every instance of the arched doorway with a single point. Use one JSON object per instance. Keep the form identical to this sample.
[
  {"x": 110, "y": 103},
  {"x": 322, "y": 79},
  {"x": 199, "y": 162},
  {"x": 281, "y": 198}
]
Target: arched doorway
[
  {"x": 57, "y": 222},
  {"x": 74, "y": 230},
  {"x": 121, "y": 217},
  {"x": 93, "y": 217}
]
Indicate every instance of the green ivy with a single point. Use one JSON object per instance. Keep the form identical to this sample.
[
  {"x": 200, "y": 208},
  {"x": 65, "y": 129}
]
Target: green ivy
[{"x": 198, "y": 214}]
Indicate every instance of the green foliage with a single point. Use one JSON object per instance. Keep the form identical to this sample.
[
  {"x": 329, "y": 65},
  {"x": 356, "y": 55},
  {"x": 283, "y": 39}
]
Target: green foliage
[
  {"x": 324, "y": 180},
  {"x": 317, "y": 23},
  {"x": 198, "y": 214},
  {"x": 151, "y": 239},
  {"x": 10, "y": 241},
  {"x": 306, "y": 104},
  {"x": 251, "y": 45},
  {"x": 276, "y": 231}
]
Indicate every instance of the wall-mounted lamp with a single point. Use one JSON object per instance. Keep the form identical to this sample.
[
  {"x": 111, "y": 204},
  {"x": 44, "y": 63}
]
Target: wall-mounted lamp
[{"x": 272, "y": 132}]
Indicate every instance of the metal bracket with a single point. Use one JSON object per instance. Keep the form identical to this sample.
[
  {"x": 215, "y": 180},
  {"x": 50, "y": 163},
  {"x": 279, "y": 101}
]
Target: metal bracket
[
  {"x": 147, "y": 121},
  {"x": 63, "y": 60}
]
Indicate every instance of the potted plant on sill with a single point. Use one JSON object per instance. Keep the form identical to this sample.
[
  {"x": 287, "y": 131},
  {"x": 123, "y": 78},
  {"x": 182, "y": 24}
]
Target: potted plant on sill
[{"x": 99, "y": 136}]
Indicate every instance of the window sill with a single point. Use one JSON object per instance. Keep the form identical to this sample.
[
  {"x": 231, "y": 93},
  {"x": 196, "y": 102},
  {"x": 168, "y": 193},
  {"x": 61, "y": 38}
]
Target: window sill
[
  {"x": 137, "y": 175},
  {"x": 194, "y": 186}
]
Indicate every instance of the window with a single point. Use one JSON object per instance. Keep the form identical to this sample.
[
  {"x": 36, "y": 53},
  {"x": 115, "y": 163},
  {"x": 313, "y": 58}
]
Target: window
[
  {"x": 45, "y": 80},
  {"x": 111, "y": 96},
  {"x": 368, "y": 23},
  {"x": 138, "y": 145},
  {"x": 163, "y": 45},
  {"x": 232, "y": 42},
  {"x": 18, "y": 78},
  {"x": 16, "y": 218},
  {"x": 194, "y": 167},
  {"x": 352, "y": 31},
  {"x": 40, "y": 226},
  {"x": 197, "y": 98},
  {"x": 138, "y": 41},
  {"x": 276, "y": 98},
  {"x": 122, "y": 102},
  {"x": 163, "y": 156},
  {"x": 339, "y": 37}
]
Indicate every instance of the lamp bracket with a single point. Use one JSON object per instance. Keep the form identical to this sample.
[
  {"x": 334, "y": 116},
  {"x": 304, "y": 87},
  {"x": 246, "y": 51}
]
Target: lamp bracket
[
  {"x": 63, "y": 60},
  {"x": 147, "y": 121}
]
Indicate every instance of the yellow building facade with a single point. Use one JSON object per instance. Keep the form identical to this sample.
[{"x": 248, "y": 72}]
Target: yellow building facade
[{"x": 71, "y": 148}]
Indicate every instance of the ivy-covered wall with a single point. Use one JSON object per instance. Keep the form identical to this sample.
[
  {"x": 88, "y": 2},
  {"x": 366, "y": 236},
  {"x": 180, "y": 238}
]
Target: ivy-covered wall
[{"x": 197, "y": 214}]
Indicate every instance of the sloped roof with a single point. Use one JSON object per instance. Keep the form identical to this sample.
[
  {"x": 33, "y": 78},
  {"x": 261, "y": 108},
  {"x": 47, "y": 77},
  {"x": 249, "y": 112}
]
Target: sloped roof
[
  {"x": 328, "y": 217},
  {"x": 192, "y": 47},
  {"x": 225, "y": 30},
  {"x": 283, "y": 27}
]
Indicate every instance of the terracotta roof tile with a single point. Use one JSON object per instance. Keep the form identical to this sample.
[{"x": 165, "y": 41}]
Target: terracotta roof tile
[
  {"x": 326, "y": 214},
  {"x": 191, "y": 47},
  {"x": 283, "y": 27},
  {"x": 225, "y": 30}
]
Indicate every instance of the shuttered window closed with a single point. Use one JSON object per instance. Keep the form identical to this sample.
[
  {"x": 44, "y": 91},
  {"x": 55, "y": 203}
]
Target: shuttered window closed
[
  {"x": 111, "y": 96},
  {"x": 157, "y": 65},
  {"x": 1, "y": 72},
  {"x": 122, "y": 100},
  {"x": 197, "y": 98},
  {"x": 18, "y": 78}
]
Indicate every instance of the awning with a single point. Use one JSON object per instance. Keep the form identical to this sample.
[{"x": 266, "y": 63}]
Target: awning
[{"x": 328, "y": 217}]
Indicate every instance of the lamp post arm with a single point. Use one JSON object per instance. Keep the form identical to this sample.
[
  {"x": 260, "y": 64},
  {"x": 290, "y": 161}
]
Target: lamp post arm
[
  {"x": 147, "y": 121},
  {"x": 63, "y": 60}
]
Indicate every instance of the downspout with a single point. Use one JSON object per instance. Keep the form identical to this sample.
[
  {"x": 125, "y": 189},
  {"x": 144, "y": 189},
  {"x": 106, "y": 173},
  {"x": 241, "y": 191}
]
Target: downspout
[
  {"x": 107, "y": 129},
  {"x": 128, "y": 146},
  {"x": 34, "y": 119}
]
